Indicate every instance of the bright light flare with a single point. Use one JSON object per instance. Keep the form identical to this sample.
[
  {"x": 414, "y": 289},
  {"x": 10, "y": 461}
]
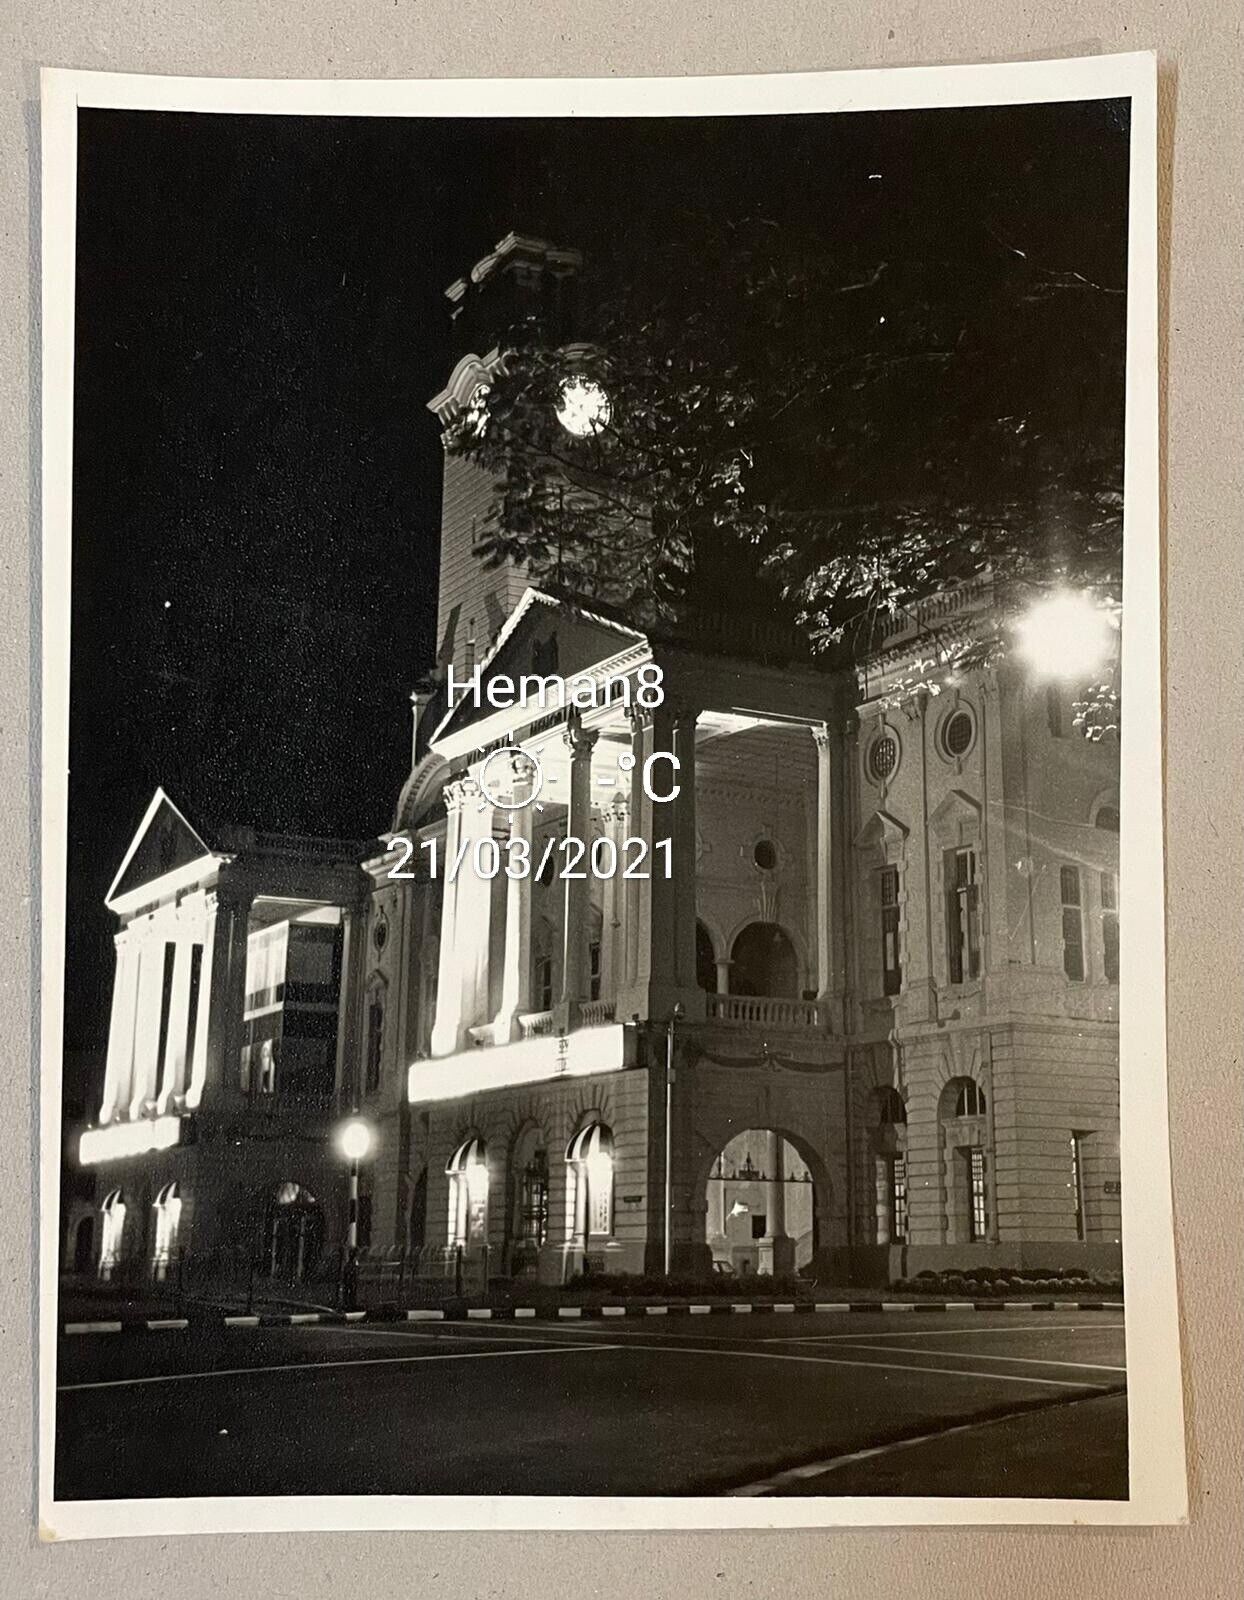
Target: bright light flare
[
  {"x": 355, "y": 1141},
  {"x": 1067, "y": 636}
]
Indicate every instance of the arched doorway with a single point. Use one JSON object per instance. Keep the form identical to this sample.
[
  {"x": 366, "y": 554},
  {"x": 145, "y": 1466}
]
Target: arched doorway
[
  {"x": 764, "y": 963},
  {"x": 84, "y": 1245},
  {"x": 528, "y": 1222},
  {"x": 292, "y": 1233},
  {"x": 762, "y": 1206}
]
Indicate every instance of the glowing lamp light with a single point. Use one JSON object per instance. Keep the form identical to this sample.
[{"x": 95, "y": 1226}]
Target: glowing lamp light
[
  {"x": 355, "y": 1141},
  {"x": 477, "y": 1183},
  {"x": 1066, "y": 636},
  {"x": 584, "y": 407}
]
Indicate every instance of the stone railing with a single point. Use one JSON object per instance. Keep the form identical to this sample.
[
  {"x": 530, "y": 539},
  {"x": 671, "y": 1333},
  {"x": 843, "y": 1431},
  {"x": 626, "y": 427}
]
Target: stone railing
[
  {"x": 595, "y": 1013},
  {"x": 536, "y": 1024},
  {"x": 760, "y": 1011}
]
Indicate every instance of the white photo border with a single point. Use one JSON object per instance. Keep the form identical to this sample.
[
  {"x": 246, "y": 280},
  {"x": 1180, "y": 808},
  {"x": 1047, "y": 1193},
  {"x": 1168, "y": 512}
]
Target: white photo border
[{"x": 1157, "y": 1471}]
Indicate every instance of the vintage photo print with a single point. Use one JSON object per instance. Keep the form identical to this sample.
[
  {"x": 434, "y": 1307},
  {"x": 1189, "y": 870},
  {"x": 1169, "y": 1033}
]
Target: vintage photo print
[{"x": 602, "y": 836}]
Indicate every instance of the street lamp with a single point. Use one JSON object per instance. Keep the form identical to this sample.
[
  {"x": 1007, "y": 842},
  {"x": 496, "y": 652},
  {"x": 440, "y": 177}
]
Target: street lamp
[
  {"x": 354, "y": 1140},
  {"x": 669, "y": 1141},
  {"x": 1068, "y": 635}
]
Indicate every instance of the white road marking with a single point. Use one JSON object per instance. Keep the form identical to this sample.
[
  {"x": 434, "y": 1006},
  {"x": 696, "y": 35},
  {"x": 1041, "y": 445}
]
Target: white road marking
[
  {"x": 316, "y": 1366},
  {"x": 948, "y": 1333},
  {"x": 982, "y": 1355},
  {"x": 835, "y": 1361},
  {"x": 818, "y": 1469}
]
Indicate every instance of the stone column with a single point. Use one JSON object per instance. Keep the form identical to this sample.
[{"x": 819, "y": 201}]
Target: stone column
[
  {"x": 660, "y": 910},
  {"x": 473, "y": 919},
  {"x": 829, "y": 979},
  {"x": 198, "y": 1067},
  {"x": 613, "y": 906},
  {"x": 144, "y": 1084},
  {"x": 173, "y": 1067},
  {"x": 516, "y": 962},
  {"x": 121, "y": 1029},
  {"x": 683, "y": 853},
  {"x": 576, "y": 920},
  {"x": 227, "y": 987},
  {"x": 447, "y": 1029},
  {"x": 723, "y": 965},
  {"x": 641, "y": 723},
  {"x": 777, "y": 1251}
]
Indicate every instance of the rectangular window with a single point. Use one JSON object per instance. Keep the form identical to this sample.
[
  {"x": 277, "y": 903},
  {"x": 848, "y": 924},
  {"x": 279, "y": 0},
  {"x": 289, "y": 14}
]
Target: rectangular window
[
  {"x": 977, "y": 1213},
  {"x": 1077, "y": 1182},
  {"x": 244, "y": 1068},
  {"x": 891, "y": 968},
  {"x": 963, "y": 915},
  {"x": 1073, "y": 924},
  {"x": 1110, "y": 926},
  {"x": 544, "y": 983},
  {"x": 375, "y": 1042},
  {"x": 594, "y": 970},
  {"x": 898, "y": 1198}
]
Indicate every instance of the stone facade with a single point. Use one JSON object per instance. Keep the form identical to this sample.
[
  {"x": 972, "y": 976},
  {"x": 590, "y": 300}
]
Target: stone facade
[{"x": 876, "y": 986}]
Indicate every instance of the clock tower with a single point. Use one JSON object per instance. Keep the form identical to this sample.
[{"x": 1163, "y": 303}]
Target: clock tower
[{"x": 519, "y": 277}]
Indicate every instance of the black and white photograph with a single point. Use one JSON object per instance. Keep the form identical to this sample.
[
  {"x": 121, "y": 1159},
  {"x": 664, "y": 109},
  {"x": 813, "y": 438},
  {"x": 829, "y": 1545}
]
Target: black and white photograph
[{"x": 603, "y": 950}]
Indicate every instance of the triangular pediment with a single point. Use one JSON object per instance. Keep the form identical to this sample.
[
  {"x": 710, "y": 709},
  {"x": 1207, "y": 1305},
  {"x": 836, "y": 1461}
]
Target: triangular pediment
[
  {"x": 881, "y": 829},
  {"x": 165, "y": 845},
  {"x": 545, "y": 638}
]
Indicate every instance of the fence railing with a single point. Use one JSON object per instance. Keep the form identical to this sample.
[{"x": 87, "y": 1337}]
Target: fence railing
[
  {"x": 762, "y": 1011},
  {"x": 239, "y": 1280}
]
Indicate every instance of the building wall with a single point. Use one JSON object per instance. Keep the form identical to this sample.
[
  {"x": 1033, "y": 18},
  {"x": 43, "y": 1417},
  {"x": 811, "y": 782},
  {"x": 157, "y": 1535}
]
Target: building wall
[
  {"x": 1027, "y": 794},
  {"x": 474, "y": 601}
]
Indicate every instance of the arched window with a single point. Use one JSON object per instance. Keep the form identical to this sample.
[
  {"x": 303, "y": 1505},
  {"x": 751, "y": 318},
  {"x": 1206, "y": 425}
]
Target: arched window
[
  {"x": 1107, "y": 819},
  {"x": 167, "y": 1223},
  {"x": 764, "y": 963},
  {"x": 112, "y": 1216},
  {"x": 969, "y": 1099},
  {"x": 376, "y": 996},
  {"x": 529, "y": 1200},
  {"x": 590, "y": 1158},
  {"x": 467, "y": 1170},
  {"x": 964, "y": 1157},
  {"x": 705, "y": 960}
]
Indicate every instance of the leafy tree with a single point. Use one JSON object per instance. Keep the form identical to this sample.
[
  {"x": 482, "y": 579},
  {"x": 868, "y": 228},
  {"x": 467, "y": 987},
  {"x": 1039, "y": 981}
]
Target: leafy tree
[{"x": 832, "y": 434}]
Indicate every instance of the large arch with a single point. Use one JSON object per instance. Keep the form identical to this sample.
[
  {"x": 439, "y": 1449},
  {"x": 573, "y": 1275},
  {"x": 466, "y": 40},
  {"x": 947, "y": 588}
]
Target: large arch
[
  {"x": 806, "y": 1177},
  {"x": 764, "y": 962}
]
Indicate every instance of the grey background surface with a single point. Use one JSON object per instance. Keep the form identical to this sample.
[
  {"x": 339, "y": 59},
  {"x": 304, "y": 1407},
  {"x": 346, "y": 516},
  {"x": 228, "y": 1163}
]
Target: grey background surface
[{"x": 1199, "y": 43}]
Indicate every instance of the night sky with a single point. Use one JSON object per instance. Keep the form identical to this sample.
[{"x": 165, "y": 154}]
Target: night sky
[{"x": 260, "y": 324}]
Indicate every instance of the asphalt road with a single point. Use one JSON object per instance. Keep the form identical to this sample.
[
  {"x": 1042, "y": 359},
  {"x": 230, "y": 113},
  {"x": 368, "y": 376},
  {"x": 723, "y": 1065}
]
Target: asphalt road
[{"x": 1016, "y": 1403}]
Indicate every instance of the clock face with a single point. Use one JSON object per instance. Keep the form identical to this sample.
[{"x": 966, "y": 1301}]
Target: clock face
[{"x": 584, "y": 407}]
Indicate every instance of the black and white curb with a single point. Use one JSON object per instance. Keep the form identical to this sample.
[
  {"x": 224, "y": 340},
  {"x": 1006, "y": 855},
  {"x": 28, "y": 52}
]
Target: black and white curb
[{"x": 288, "y": 1319}]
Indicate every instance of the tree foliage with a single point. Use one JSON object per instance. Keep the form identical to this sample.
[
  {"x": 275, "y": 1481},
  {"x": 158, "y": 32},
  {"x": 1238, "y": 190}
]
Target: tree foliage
[{"x": 834, "y": 433}]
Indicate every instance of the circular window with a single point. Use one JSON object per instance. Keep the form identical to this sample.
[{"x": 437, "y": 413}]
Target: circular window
[
  {"x": 958, "y": 733},
  {"x": 882, "y": 757},
  {"x": 380, "y": 933},
  {"x": 765, "y": 855}
]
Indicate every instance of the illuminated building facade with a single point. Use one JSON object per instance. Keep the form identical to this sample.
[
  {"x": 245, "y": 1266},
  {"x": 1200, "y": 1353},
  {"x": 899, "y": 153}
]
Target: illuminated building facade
[{"x": 876, "y": 990}]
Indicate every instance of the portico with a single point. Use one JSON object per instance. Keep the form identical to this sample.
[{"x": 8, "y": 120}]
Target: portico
[{"x": 582, "y": 907}]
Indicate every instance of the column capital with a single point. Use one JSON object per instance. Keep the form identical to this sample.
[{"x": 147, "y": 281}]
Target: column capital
[
  {"x": 460, "y": 791},
  {"x": 580, "y": 741}
]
